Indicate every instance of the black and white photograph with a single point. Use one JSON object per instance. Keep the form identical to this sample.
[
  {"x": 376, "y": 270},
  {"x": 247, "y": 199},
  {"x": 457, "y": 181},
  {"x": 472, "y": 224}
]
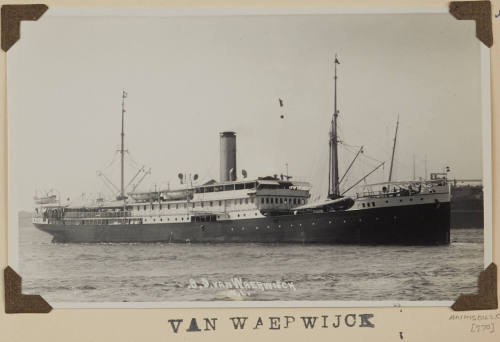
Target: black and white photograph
[{"x": 248, "y": 158}]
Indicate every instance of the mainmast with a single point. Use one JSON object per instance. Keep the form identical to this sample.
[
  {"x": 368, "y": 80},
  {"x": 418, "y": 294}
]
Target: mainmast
[
  {"x": 122, "y": 150},
  {"x": 333, "y": 181},
  {"x": 393, "y": 149}
]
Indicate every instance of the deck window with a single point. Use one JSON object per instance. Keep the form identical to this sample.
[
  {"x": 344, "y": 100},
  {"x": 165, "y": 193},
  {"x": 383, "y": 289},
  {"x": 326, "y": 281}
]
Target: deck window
[
  {"x": 267, "y": 200},
  {"x": 246, "y": 200},
  {"x": 249, "y": 185},
  {"x": 211, "y": 203},
  {"x": 272, "y": 200},
  {"x": 281, "y": 200}
]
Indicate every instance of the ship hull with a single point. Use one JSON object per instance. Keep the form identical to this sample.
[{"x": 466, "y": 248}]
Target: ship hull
[
  {"x": 467, "y": 213},
  {"x": 426, "y": 224}
]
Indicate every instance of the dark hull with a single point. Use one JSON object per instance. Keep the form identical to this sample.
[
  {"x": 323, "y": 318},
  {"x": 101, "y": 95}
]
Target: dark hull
[
  {"x": 467, "y": 213},
  {"x": 425, "y": 224}
]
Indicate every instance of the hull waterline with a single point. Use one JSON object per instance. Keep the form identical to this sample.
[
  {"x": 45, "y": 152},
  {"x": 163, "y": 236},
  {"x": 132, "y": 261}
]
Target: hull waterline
[{"x": 426, "y": 224}]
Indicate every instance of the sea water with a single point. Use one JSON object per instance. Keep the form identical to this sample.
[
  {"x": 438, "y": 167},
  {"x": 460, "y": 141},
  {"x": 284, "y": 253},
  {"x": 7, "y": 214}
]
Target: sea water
[{"x": 163, "y": 272}]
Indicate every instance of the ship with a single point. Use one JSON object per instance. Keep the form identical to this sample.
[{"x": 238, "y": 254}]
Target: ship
[
  {"x": 467, "y": 204},
  {"x": 265, "y": 209}
]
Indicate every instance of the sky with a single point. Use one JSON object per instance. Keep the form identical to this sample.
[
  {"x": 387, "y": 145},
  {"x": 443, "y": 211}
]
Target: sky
[{"x": 189, "y": 78}]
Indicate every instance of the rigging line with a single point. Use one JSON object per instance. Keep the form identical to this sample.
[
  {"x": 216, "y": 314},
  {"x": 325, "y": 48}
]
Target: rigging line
[
  {"x": 351, "y": 150},
  {"x": 351, "y": 164},
  {"x": 132, "y": 159},
  {"x": 113, "y": 159},
  {"x": 133, "y": 165},
  {"x": 372, "y": 171},
  {"x": 344, "y": 144},
  {"x": 371, "y": 158},
  {"x": 134, "y": 177}
]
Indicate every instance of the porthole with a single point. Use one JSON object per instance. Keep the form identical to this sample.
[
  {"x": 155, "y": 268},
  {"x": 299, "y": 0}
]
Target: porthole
[
  {"x": 329, "y": 222},
  {"x": 232, "y": 229},
  {"x": 411, "y": 199},
  {"x": 360, "y": 220},
  {"x": 401, "y": 200},
  {"x": 279, "y": 225},
  {"x": 268, "y": 227},
  {"x": 242, "y": 228},
  {"x": 386, "y": 201},
  {"x": 256, "y": 228},
  {"x": 313, "y": 223},
  {"x": 373, "y": 203},
  {"x": 345, "y": 221}
]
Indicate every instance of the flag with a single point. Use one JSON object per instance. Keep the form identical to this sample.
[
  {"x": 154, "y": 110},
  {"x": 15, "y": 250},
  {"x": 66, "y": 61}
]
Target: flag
[
  {"x": 125, "y": 94},
  {"x": 337, "y": 60},
  {"x": 281, "y": 102}
]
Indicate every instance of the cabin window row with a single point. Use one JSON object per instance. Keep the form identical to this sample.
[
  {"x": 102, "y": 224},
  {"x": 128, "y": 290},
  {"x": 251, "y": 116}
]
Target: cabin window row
[
  {"x": 203, "y": 204},
  {"x": 282, "y": 200},
  {"x": 227, "y": 187}
]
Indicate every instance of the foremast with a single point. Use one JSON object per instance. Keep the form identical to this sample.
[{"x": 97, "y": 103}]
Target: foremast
[{"x": 333, "y": 179}]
